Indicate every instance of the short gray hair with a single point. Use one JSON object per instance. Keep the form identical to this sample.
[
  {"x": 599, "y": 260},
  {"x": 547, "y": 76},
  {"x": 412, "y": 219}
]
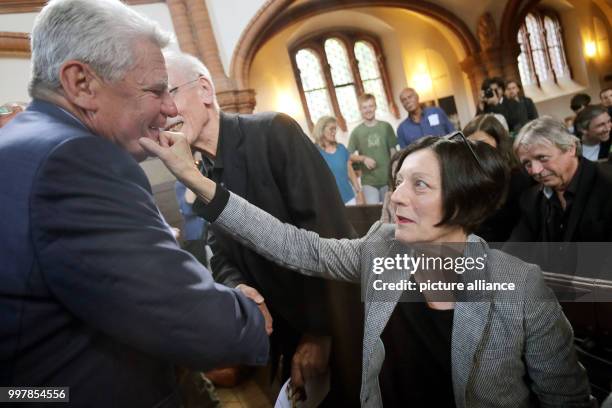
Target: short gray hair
[
  {"x": 100, "y": 33},
  {"x": 188, "y": 65},
  {"x": 547, "y": 130}
]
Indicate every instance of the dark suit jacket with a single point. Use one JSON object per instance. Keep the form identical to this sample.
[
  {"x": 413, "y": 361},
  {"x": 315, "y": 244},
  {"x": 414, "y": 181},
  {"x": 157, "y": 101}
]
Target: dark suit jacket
[
  {"x": 591, "y": 213},
  {"x": 96, "y": 294},
  {"x": 268, "y": 160}
]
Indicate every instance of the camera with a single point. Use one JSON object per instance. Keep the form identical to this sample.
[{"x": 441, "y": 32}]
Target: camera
[{"x": 489, "y": 93}]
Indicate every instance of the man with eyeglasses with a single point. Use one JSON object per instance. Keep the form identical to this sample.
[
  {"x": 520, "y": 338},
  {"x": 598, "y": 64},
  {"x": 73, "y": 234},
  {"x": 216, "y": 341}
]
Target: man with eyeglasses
[{"x": 267, "y": 159}]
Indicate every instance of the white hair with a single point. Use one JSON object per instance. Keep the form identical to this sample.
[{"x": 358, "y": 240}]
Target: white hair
[
  {"x": 190, "y": 67},
  {"x": 101, "y": 33}
]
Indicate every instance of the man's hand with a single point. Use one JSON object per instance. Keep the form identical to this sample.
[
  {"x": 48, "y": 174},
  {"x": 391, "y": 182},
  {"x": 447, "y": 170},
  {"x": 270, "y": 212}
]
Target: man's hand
[
  {"x": 256, "y": 297},
  {"x": 369, "y": 162},
  {"x": 310, "y": 359}
]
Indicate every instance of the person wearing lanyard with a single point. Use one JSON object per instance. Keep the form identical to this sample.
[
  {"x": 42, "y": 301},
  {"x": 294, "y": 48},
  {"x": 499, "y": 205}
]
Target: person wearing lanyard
[{"x": 430, "y": 121}]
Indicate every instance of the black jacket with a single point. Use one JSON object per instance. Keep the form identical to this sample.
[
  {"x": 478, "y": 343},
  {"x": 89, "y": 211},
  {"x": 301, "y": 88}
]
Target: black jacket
[
  {"x": 268, "y": 160},
  {"x": 591, "y": 213}
]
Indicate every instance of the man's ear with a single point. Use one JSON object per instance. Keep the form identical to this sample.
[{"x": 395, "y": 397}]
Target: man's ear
[
  {"x": 207, "y": 91},
  {"x": 80, "y": 84}
]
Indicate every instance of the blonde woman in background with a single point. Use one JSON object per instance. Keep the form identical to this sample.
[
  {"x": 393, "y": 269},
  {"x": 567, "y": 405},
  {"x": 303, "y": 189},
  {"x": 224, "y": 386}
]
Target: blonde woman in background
[{"x": 337, "y": 158}]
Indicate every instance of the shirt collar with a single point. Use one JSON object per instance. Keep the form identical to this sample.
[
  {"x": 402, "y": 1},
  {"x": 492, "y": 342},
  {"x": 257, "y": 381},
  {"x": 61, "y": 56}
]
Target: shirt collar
[{"x": 572, "y": 188}]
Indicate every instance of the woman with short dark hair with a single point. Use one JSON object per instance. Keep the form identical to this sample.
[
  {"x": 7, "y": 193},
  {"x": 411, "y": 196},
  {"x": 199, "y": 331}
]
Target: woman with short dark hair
[
  {"x": 499, "y": 225},
  {"x": 445, "y": 348}
]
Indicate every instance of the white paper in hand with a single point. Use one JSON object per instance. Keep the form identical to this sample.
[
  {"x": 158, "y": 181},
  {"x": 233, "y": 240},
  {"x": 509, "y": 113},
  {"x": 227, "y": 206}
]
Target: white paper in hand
[{"x": 316, "y": 390}]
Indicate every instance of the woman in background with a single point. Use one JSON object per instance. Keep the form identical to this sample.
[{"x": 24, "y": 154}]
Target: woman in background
[
  {"x": 498, "y": 227},
  {"x": 337, "y": 158}
]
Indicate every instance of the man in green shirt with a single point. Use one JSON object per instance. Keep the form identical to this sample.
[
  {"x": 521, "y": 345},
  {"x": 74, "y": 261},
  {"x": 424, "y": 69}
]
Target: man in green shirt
[{"x": 372, "y": 143}]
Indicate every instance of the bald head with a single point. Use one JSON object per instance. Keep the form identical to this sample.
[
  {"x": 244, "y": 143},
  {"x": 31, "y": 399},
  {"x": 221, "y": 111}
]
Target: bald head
[{"x": 410, "y": 100}]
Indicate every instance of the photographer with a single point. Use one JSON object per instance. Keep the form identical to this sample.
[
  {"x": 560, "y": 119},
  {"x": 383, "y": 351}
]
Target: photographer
[{"x": 492, "y": 101}]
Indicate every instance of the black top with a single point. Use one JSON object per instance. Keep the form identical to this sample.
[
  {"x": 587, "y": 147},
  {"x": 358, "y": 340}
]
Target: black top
[
  {"x": 498, "y": 227},
  {"x": 556, "y": 218},
  {"x": 417, "y": 367}
]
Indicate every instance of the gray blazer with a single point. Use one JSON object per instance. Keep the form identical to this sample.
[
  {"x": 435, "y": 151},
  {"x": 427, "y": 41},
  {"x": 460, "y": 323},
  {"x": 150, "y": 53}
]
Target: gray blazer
[{"x": 495, "y": 345}]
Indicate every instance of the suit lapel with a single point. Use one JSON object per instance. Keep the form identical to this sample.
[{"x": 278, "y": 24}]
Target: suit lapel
[
  {"x": 584, "y": 184},
  {"x": 231, "y": 141},
  {"x": 380, "y": 311},
  {"x": 469, "y": 322}
]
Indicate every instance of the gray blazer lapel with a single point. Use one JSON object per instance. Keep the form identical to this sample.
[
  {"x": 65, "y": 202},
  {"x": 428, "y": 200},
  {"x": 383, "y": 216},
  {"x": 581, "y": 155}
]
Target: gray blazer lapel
[
  {"x": 379, "y": 311},
  {"x": 469, "y": 323}
]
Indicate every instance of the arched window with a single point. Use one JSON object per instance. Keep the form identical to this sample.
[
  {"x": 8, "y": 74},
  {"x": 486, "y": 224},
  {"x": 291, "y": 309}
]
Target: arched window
[
  {"x": 332, "y": 70},
  {"x": 542, "y": 56},
  {"x": 313, "y": 83}
]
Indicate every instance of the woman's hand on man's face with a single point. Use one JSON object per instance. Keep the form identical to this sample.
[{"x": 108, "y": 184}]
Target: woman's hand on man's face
[{"x": 174, "y": 151}]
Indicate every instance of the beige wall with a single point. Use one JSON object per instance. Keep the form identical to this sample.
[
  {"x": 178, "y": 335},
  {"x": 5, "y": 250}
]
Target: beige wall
[{"x": 411, "y": 44}]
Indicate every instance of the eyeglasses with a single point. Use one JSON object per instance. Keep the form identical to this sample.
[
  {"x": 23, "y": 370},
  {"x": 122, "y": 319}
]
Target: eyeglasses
[
  {"x": 459, "y": 135},
  {"x": 173, "y": 91}
]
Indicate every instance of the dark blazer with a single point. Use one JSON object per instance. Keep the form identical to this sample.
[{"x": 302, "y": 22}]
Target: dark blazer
[
  {"x": 96, "y": 294},
  {"x": 591, "y": 213},
  {"x": 268, "y": 160}
]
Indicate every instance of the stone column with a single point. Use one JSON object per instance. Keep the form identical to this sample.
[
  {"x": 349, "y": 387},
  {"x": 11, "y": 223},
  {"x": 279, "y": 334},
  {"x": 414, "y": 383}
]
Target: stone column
[
  {"x": 182, "y": 27},
  {"x": 207, "y": 44},
  {"x": 196, "y": 36}
]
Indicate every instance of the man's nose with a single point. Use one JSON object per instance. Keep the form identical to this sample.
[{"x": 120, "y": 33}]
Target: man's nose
[
  {"x": 168, "y": 107},
  {"x": 536, "y": 168}
]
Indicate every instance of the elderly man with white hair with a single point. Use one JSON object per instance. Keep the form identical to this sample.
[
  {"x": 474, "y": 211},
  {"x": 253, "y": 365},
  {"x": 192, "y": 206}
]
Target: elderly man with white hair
[
  {"x": 96, "y": 294},
  {"x": 268, "y": 160}
]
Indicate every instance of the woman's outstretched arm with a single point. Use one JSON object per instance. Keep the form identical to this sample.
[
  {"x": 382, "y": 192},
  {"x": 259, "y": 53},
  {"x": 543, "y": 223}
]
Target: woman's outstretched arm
[{"x": 291, "y": 247}]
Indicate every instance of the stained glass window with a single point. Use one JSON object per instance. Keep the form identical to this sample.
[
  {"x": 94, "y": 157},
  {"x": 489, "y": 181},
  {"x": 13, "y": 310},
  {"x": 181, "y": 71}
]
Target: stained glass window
[
  {"x": 525, "y": 70},
  {"x": 370, "y": 74},
  {"x": 541, "y": 46},
  {"x": 313, "y": 84},
  {"x": 342, "y": 77},
  {"x": 538, "y": 50},
  {"x": 334, "y": 69},
  {"x": 555, "y": 50}
]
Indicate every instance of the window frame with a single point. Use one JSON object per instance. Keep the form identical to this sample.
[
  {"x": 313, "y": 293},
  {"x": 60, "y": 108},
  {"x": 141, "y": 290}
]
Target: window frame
[
  {"x": 540, "y": 15},
  {"x": 316, "y": 43}
]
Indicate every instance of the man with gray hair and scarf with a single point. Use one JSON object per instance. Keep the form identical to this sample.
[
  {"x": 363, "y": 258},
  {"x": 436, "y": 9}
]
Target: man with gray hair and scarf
[{"x": 96, "y": 294}]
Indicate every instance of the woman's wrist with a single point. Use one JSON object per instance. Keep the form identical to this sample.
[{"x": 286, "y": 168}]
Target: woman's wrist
[{"x": 203, "y": 187}]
